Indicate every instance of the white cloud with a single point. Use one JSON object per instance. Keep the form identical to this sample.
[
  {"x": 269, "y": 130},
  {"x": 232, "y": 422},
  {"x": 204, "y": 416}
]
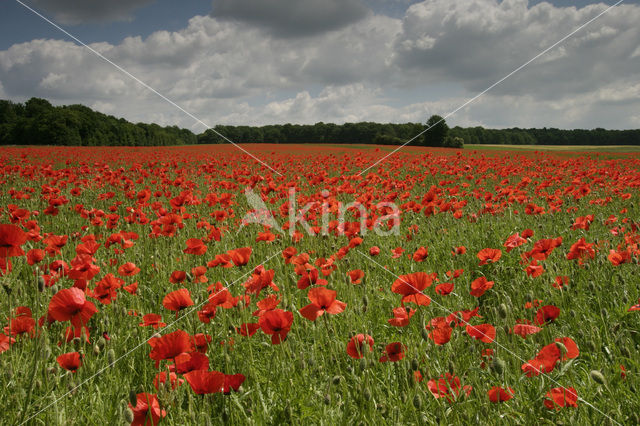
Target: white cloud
[{"x": 377, "y": 68}]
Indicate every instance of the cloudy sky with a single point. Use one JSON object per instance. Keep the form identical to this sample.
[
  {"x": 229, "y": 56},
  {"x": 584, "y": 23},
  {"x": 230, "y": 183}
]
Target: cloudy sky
[{"x": 304, "y": 61}]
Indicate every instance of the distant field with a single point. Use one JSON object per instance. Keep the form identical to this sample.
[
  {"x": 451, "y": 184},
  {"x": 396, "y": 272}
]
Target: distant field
[{"x": 610, "y": 148}]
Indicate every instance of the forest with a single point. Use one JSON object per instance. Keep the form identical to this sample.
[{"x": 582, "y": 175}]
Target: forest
[{"x": 38, "y": 122}]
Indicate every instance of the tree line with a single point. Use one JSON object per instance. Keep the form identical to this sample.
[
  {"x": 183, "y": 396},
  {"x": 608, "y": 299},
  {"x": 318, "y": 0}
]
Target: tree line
[{"x": 37, "y": 122}]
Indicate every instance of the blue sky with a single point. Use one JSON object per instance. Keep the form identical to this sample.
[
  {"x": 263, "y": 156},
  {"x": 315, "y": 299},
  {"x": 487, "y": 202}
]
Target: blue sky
[{"x": 263, "y": 61}]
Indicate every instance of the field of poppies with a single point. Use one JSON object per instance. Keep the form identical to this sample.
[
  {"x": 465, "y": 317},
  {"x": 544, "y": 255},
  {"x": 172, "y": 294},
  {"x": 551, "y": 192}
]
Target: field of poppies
[{"x": 194, "y": 285}]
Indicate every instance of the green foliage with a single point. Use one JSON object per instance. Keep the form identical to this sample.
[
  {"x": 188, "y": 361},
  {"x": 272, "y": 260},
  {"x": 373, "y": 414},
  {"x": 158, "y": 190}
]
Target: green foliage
[{"x": 37, "y": 122}]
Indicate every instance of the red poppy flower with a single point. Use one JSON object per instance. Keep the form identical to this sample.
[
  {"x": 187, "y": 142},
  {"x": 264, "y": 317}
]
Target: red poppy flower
[
  {"x": 322, "y": 300},
  {"x": 177, "y": 277},
  {"x": 195, "y": 246},
  {"x": 411, "y": 283},
  {"x": 131, "y": 288},
  {"x": 374, "y": 251},
  {"x": 35, "y": 256},
  {"x": 170, "y": 345},
  {"x": 128, "y": 269},
  {"x": 560, "y": 282},
  {"x": 161, "y": 378},
  {"x": 487, "y": 255},
  {"x": 70, "y": 304},
  {"x": 547, "y": 314},
  {"x": 397, "y": 252},
  {"x": 447, "y": 386},
  {"x": 439, "y": 330},
  {"x": 514, "y": 241},
  {"x": 401, "y": 317},
  {"x": 534, "y": 269},
  {"x": 581, "y": 250},
  {"x": 480, "y": 285},
  {"x": 355, "y": 276},
  {"x": 444, "y": 289},
  {"x": 356, "y": 345},
  {"x": 248, "y": 329},
  {"x": 205, "y": 382},
  {"x": 6, "y": 342},
  {"x": 152, "y": 320},
  {"x": 190, "y": 362},
  {"x": 11, "y": 238},
  {"x": 201, "y": 342},
  {"x": 618, "y": 257},
  {"x": 459, "y": 250},
  {"x": 484, "y": 332},
  {"x": 177, "y": 300},
  {"x": 524, "y": 330},
  {"x": 635, "y": 307},
  {"x": 232, "y": 382},
  {"x": 276, "y": 323},
  {"x": 240, "y": 256},
  {"x": 70, "y": 361},
  {"x": 393, "y": 352},
  {"x": 420, "y": 254},
  {"x": 147, "y": 411},
  {"x": 560, "y": 397},
  {"x": 21, "y": 324},
  {"x": 498, "y": 394}
]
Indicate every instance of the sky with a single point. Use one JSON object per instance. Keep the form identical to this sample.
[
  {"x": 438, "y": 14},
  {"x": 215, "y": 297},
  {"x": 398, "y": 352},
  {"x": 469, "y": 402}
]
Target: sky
[{"x": 256, "y": 62}]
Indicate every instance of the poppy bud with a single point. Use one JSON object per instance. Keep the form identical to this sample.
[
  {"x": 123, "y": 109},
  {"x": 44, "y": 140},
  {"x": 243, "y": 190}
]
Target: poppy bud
[
  {"x": 425, "y": 334},
  {"x": 46, "y": 352},
  {"x": 414, "y": 364},
  {"x": 336, "y": 380},
  {"x": 506, "y": 329},
  {"x": 96, "y": 349},
  {"x": 41, "y": 283},
  {"x": 128, "y": 415},
  {"x": 38, "y": 384},
  {"x": 133, "y": 398},
  {"x": 54, "y": 288},
  {"x": 72, "y": 388},
  {"x": 51, "y": 370},
  {"x": 502, "y": 310},
  {"x": 562, "y": 348},
  {"x": 597, "y": 377},
  {"x": 111, "y": 357},
  {"x": 498, "y": 366},
  {"x": 327, "y": 399},
  {"x": 225, "y": 417},
  {"x": 529, "y": 297},
  {"x": 101, "y": 342},
  {"x": 363, "y": 364},
  {"x": 605, "y": 313},
  {"x": 365, "y": 301},
  {"x": 366, "y": 394},
  {"x": 452, "y": 366},
  {"x": 417, "y": 401},
  {"x": 76, "y": 341}
]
